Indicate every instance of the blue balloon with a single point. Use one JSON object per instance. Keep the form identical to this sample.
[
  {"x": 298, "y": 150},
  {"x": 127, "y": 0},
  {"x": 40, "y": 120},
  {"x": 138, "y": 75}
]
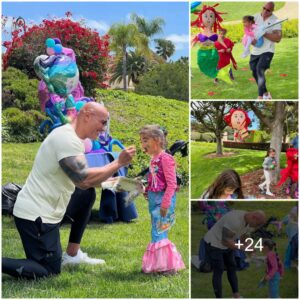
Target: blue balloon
[
  {"x": 50, "y": 43},
  {"x": 96, "y": 145},
  {"x": 79, "y": 105},
  {"x": 58, "y": 49}
]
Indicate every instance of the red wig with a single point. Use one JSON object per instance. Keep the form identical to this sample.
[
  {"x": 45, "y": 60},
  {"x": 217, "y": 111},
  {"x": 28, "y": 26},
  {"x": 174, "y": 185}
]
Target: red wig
[
  {"x": 199, "y": 22},
  {"x": 227, "y": 118}
]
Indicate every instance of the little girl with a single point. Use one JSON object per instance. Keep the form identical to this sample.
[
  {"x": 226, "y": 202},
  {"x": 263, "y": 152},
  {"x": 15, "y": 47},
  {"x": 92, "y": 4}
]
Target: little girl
[
  {"x": 269, "y": 166},
  {"x": 274, "y": 269},
  {"x": 161, "y": 255},
  {"x": 224, "y": 46},
  {"x": 228, "y": 185},
  {"x": 249, "y": 26}
]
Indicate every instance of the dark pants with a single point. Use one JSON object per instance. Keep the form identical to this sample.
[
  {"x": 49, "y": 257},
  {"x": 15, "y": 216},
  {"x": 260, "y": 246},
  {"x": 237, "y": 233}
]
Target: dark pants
[
  {"x": 258, "y": 65},
  {"x": 219, "y": 259},
  {"x": 41, "y": 241}
]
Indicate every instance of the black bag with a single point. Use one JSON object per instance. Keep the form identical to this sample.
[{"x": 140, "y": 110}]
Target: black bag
[{"x": 9, "y": 195}]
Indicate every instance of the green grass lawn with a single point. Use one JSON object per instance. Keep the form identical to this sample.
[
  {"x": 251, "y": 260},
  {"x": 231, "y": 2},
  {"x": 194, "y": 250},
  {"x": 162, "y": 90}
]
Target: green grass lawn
[
  {"x": 234, "y": 10},
  {"x": 204, "y": 170},
  {"x": 201, "y": 285},
  {"x": 285, "y": 61},
  {"x": 122, "y": 245}
]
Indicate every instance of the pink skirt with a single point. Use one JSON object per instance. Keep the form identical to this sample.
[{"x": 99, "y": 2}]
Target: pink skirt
[{"x": 162, "y": 256}]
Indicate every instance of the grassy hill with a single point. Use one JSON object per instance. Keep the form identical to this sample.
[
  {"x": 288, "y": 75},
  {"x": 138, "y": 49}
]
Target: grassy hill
[{"x": 129, "y": 112}]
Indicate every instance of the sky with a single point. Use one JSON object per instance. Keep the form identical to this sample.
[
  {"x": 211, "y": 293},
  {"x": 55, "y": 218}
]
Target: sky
[{"x": 101, "y": 15}]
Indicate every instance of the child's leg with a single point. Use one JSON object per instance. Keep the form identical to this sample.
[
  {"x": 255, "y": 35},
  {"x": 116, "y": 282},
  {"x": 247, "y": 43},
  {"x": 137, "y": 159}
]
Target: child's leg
[
  {"x": 287, "y": 257},
  {"x": 247, "y": 47},
  {"x": 268, "y": 181},
  {"x": 231, "y": 74},
  {"x": 274, "y": 286}
]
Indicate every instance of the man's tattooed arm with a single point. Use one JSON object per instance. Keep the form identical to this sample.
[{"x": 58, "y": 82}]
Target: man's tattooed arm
[{"x": 75, "y": 167}]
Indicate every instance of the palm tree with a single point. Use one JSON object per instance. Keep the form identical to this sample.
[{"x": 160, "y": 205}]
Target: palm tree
[
  {"x": 149, "y": 28},
  {"x": 124, "y": 36},
  {"x": 136, "y": 66},
  {"x": 164, "y": 48}
]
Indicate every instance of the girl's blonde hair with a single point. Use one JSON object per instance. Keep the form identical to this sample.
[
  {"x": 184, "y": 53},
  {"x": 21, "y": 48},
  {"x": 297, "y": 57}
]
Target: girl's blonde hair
[{"x": 155, "y": 132}]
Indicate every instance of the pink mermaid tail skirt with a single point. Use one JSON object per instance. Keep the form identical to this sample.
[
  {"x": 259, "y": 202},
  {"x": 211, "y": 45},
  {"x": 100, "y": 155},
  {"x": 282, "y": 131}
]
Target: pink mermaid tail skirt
[{"x": 162, "y": 256}]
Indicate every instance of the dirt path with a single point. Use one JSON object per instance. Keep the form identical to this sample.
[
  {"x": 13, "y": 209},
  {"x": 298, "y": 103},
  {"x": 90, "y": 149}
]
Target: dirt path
[
  {"x": 289, "y": 10},
  {"x": 250, "y": 182}
]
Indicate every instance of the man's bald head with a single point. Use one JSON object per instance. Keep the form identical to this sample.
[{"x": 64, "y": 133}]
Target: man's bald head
[
  {"x": 268, "y": 9},
  {"x": 94, "y": 108},
  {"x": 92, "y": 120},
  {"x": 256, "y": 218}
]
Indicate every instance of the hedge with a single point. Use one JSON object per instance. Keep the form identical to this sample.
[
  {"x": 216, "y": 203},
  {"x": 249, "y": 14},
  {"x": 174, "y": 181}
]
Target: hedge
[{"x": 252, "y": 146}]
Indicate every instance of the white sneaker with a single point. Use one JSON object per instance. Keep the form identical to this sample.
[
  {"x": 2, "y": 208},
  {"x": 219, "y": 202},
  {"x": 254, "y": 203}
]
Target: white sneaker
[
  {"x": 270, "y": 194},
  {"x": 267, "y": 96},
  {"x": 80, "y": 258}
]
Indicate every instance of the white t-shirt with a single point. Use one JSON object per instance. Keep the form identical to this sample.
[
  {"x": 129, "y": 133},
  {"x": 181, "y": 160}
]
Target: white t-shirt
[
  {"x": 48, "y": 189},
  {"x": 268, "y": 46},
  {"x": 233, "y": 221}
]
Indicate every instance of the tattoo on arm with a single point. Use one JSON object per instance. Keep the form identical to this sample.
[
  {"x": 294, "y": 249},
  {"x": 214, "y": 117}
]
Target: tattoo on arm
[
  {"x": 75, "y": 167},
  {"x": 227, "y": 235}
]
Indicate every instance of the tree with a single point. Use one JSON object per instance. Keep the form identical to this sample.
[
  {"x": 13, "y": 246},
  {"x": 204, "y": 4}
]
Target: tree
[
  {"x": 91, "y": 50},
  {"x": 273, "y": 116},
  {"x": 169, "y": 80},
  {"x": 124, "y": 36},
  {"x": 149, "y": 28},
  {"x": 136, "y": 66},
  {"x": 211, "y": 116},
  {"x": 164, "y": 48}
]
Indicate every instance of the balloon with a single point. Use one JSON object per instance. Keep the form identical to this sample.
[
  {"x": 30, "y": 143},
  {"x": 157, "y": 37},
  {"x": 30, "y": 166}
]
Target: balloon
[
  {"x": 50, "y": 43},
  {"x": 50, "y": 51},
  {"x": 88, "y": 145},
  {"x": 36, "y": 65},
  {"x": 96, "y": 145},
  {"x": 69, "y": 52},
  {"x": 57, "y": 41},
  {"x": 58, "y": 48},
  {"x": 60, "y": 73},
  {"x": 79, "y": 105}
]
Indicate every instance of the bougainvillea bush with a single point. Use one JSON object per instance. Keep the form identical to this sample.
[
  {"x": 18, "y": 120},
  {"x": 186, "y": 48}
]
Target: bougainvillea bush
[{"x": 91, "y": 49}]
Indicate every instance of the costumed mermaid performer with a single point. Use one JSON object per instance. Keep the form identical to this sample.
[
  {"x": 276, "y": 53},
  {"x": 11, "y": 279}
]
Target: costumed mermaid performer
[{"x": 210, "y": 21}]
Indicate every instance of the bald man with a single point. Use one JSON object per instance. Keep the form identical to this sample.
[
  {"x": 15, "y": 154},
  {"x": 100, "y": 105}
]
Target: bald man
[
  {"x": 261, "y": 57},
  {"x": 59, "y": 167},
  {"x": 220, "y": 243}
]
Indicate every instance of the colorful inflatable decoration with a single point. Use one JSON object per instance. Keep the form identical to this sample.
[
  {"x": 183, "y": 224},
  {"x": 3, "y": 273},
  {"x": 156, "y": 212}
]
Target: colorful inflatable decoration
[
  {"x": 209, "y": 20},
  {"x": 238, "y": 120},
  {"x": 61, "y": 94}
]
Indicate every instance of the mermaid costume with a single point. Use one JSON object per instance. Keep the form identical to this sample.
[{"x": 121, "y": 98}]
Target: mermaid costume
[{"x": 208, "y": 57}]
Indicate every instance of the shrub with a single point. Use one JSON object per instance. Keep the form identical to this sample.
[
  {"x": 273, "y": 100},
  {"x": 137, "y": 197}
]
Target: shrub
[
  {"x": 18, "y": 90},
  {"x": 91, "y": 50},
  {"x": 257, "y": 136},
  {"x": 170, "y": 80},
  {"x": 21, "y": 127},
  {"x": 195, "y": 136}
]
